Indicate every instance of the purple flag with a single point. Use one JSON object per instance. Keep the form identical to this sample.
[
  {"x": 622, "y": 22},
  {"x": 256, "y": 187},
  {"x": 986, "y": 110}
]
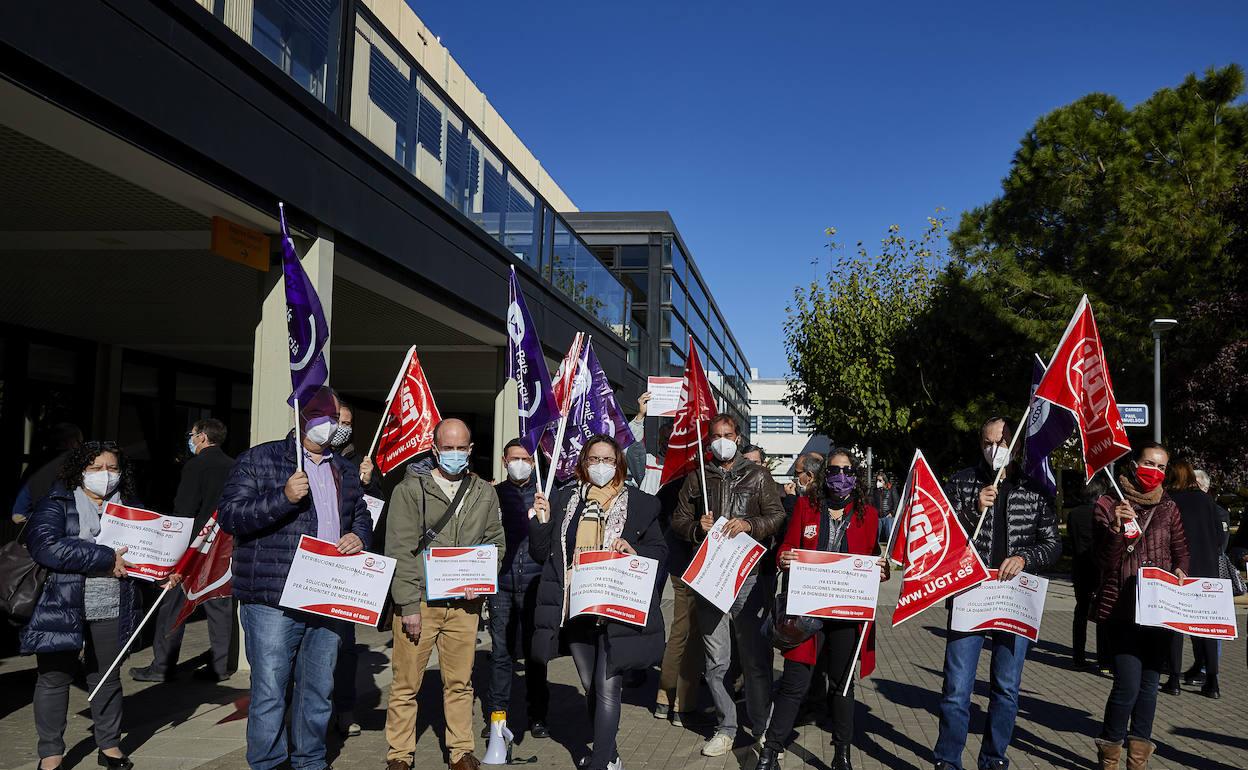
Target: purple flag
[
  {"x": 1048, "y": 427},
  {"x": 305, "y": 323},
  {"x": 527, "y": 366},
  {"x": 594, "y": 410}
]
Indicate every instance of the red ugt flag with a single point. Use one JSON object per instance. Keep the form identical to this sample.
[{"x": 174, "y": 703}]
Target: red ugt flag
[
  {"x": 1078, "y": 380},
  {"x": 407, "y": 428},
  {"x": 693, "y": 416},
  {"x": 205, "y": 568},
  {"x": 936, "y": 556}
]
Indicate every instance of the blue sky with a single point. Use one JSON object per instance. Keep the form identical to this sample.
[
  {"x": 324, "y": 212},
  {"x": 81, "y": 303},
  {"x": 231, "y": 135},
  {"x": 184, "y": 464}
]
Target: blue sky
[{"x": 759, "y": 125}]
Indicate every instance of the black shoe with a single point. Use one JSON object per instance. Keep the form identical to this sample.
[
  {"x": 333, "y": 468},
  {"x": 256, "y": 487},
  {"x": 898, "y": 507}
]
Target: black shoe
[
  {"x": 1171, "y": 687},
  {"x": 583, "y": 762},
  {"x": 1210, "y": 690},
  {"x": 538, "y": 729},
  {"x": 1193, "y": 676},
  {"x": 768, "y": 759},
  {"x": 485, "y": 731},
  {"x": 997, "y": 764},
  {"x": 840, "y": 760},
  {"x": 146, "y": 674},
  {"x": 123, "y": 762}
]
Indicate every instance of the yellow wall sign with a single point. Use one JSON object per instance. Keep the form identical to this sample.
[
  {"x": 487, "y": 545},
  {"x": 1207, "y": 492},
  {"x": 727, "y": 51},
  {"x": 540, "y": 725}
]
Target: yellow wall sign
[{"x": 240, "y": 244}]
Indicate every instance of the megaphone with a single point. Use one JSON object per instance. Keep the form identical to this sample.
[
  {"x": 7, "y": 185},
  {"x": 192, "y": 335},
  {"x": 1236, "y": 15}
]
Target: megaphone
[{"x": 499, "y": 750}]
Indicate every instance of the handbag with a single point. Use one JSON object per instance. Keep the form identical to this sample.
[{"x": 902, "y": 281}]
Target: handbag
[
  {"x": 21, "y": 581},
  {"x": 786, "y": 632},
  {"x": 1227, "y": 571}
]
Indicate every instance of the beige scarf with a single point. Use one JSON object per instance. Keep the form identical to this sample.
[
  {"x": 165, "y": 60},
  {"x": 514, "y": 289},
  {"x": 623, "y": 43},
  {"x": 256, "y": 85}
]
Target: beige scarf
[{"x": 1133, "y": 493}]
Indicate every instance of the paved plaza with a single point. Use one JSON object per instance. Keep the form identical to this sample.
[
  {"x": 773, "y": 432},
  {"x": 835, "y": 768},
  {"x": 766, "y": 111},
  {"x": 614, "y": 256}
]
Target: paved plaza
[{"x": 194, "y": 724}]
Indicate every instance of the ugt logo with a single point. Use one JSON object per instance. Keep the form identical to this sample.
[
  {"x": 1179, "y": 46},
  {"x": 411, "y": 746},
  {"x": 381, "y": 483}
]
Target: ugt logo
[{"x": 927, "y": 543}]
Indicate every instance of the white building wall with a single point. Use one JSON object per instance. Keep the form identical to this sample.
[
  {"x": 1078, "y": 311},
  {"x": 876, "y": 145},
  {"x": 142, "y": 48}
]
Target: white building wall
[{"x": 773, "y": 426}]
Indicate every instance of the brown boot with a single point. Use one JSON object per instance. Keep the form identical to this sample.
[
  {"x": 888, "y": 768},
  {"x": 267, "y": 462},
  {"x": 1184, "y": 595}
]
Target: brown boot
[
  {"x": 467, "y": 762},
  {"x": 1138, "y": 752},
  {"x": 1108, "y": 754},
  {"x": 398, "y": 764}
]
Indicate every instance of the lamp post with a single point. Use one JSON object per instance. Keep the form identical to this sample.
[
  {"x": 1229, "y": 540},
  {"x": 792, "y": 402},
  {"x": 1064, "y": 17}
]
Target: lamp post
[{"x": 1158, "y": 327}]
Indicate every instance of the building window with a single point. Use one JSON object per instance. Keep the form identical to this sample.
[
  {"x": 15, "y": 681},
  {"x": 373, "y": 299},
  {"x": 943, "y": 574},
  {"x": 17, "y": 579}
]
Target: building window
[
  {"x": 753, "y": 423},
  {"x": 777, "y": 423},
  {"x": 300, "y": 36},
  {"x": 635, "y": 256},
  {"x": 805, "y": 425}
]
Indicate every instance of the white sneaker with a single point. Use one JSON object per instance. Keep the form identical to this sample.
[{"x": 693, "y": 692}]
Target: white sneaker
[
  {"x": 719, "y": 745},
  {"x": 616, "y": 764}
]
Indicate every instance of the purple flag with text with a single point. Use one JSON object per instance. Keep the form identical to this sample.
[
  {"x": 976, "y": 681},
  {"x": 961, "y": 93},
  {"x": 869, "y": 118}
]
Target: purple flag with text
[
  {"x": 527, "y": 366},
  {"x": 1048, "y": 428},
  {"x": 593, "y": 410},
  {"x": 305, "y": 323}
]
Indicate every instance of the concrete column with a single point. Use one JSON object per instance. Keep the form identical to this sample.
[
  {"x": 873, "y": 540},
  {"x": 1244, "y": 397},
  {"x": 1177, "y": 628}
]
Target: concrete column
[
  {"x": 506, "y": 415},
  {"x": 271, "y": 418}
]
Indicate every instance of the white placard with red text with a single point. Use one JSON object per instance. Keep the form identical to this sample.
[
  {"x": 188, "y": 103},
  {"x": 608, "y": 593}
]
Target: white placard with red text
[
  {"x": 664, "y": 395},
  {"x": 1014, "y": 605},
  {"x": 451, "y": 571},
  {"x": 844, "y": 586},
  {"x": 324, "y": 582},
  {"x": 375, "y": 505},
  {"x": 612, "y": 585},
  {"x": 1194, "y": 606},
  {"x": 721, "y": 564},
  {"x": 154, "y": 542}
]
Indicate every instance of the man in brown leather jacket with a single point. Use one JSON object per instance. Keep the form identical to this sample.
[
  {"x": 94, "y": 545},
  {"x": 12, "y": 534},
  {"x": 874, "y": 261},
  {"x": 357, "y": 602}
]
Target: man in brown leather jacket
[{"x": 745, "y": 494}]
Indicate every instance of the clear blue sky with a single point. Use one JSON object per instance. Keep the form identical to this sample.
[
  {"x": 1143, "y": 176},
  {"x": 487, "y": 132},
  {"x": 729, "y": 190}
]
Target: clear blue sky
[{"x": 758, "y": 125}]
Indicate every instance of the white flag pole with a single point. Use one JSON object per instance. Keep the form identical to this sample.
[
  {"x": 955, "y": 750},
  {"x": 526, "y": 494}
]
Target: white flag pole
[
  {"x": 129, "y": 641},
  {"x": 849, "y": 675},
  {"x": 394, "y": 389},
  {"x": 1018, "y": 431},
  {"x": 298, "y": 439},
  {"x": 706, "y": 499}
]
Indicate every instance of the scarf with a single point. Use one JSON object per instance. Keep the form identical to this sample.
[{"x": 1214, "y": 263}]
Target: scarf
[
  {"x": 1133, "y": 493},
  {"x": 88, "y": 514},
  {"x": 615, "y": 515}
]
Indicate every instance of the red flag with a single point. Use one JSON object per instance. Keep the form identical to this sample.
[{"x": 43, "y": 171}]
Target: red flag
[
  {"x": 937, "y": 558},
  {"x": 205, "y": 568},
  {"x": 693, "y": 417},
  {"x": 407, "y": 428},
  {"x": 1078, "y": 380},
  {"x": 566, "y": 375}
]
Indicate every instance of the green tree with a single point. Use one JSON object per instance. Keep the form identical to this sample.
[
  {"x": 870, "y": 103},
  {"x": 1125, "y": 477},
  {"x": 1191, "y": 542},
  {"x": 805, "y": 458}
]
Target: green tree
[{"x": 840, "y": 336}]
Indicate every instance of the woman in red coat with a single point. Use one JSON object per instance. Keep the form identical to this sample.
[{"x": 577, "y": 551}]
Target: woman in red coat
[{"x": 834, "y": 516}]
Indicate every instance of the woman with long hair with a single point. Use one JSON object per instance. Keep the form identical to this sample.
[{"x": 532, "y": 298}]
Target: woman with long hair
[
  {"x": 87, "y": 600},
  {"x": 1144, "y": 529},
  {"x": 834, "y": 516},
  {"x": 597, "y": 513}
]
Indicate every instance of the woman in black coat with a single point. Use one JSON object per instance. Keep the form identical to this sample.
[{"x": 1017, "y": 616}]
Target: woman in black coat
[
  {"x": 1205, "y": 541},
  {"x": 87, "y": 600},
  {"x": 597, "y": 513}
]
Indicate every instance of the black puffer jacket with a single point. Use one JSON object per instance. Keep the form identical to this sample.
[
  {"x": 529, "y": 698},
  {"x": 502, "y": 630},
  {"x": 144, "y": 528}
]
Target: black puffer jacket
[
  {"x": 1031, "y": 525},
  {"x": 743, "y": 491},
  {"x": 629, "y": 648}
]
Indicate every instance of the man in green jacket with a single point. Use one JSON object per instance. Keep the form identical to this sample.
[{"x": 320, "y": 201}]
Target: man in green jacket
[{"x": 417, "y": 509}]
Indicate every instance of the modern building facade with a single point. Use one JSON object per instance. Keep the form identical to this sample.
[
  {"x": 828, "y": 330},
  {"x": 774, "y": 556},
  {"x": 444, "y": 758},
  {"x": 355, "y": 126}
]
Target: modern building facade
[
  {"x": 780, "y": 431},
  {"x": 669, "y": 300},
  {"x": 146, "y": 146}
]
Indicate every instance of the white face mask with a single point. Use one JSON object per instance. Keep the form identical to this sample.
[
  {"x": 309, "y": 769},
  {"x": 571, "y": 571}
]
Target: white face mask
[
  {"x": 724, "y": 449},
  {"x": 879, "y": 485},
  {"x": 601, "y": 475},
  {"x": 101, "y": 483},
  {"x": 320, "y": 433},
  {"x": 519, "y": 470},
  {"x": 997, "y": 457}
]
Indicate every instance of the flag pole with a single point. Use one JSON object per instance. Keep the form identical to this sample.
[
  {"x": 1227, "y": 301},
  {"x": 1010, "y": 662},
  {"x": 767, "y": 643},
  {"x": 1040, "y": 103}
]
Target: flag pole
[
  {"x": 902, "y": 505},
  {"x": 1018, "y": 431},
  {"x": 390, "y": 401},
  {"x": 130, "y": 641},
  {"x": 706, "y": 500},
  {"x": 849, "y": 675},
  {"x": 298, "y": 439},
  {"x": 554, "y": 461}
]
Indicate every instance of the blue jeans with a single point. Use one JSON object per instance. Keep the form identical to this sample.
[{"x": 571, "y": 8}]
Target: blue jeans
[
  {"x": 1139, "y": 655},
  {"x": 279, "y": 642},
  {"x": 1009, "y": 652}
]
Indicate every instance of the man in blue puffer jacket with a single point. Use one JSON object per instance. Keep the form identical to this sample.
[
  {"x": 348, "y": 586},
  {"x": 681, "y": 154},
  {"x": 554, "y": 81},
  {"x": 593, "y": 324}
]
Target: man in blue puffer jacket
[{"x": 268, "y": 504}]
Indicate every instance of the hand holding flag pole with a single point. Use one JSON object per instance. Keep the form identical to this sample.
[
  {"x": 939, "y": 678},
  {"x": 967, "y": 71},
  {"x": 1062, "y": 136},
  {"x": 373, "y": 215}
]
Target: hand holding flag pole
[{"x": 1001, "y": 471}]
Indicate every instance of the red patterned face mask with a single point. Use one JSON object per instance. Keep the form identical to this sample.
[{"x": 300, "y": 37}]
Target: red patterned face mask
[{"x": 1148, "y": 478}]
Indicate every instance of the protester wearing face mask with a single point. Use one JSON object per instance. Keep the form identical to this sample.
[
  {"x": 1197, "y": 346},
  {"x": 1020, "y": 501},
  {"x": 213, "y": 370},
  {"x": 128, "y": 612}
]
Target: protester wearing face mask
[
  {"x": 268, "y": 503},
  {"x": 512, "y": 608},
  {"x": 885, "y": 499},
  {"x": 1143, "y": 530},
  {"x": 744, "y": 494},
  {"x": 199, "y": 491},
  {"x": 448, "y": 506},
  {"x": 833, "y": 516},
  {"x": 1019, "y": 533},
  {"x": 597, "y": 513},
  {"x": 87, "y": 600}
]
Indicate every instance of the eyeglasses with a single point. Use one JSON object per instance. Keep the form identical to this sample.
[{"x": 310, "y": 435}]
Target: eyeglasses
[
  {"x": 840, "y": 470},
  {"x": 600, "y": 461}
]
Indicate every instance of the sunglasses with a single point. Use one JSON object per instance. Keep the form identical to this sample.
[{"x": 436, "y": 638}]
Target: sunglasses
[{"x": 840, "y": 470}]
